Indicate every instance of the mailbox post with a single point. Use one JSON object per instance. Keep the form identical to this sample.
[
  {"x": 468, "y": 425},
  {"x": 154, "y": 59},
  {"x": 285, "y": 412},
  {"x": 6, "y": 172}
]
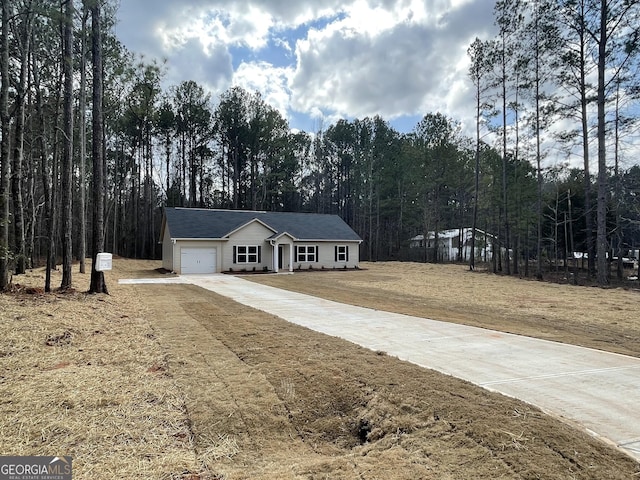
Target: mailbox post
[{"x": 103, "y": 262}]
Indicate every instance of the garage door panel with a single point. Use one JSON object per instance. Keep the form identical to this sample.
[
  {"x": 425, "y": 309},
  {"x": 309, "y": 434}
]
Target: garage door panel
[{"x": 198, "y": 260}]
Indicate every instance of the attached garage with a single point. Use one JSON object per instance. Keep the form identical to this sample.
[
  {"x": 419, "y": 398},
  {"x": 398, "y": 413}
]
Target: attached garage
[{"x": 198, "y": 260}]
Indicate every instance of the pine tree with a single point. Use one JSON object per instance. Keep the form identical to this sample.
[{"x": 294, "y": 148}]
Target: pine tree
[{"x": 98, "y": 284}]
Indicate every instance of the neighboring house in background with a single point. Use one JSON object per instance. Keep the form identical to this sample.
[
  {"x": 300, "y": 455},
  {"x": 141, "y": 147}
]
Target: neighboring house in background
[
  {"x": 197, "y": 240},
  {"x": 455, "y": 244}
]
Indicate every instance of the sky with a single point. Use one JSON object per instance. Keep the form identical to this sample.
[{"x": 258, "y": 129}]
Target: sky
[{"x": 318, "y": 61}]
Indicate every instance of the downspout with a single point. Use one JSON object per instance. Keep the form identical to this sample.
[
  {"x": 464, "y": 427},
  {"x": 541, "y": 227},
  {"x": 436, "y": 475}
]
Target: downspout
[{"x": 173, "y": 256}]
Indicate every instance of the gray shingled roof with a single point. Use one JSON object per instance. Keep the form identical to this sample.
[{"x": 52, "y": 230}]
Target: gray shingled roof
[{"x": 202, "y": 223}]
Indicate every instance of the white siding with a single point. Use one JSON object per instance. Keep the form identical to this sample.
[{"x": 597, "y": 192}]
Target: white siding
[
  {"x": 327, "y": 256},
  {"x": 254, "y": 233}
]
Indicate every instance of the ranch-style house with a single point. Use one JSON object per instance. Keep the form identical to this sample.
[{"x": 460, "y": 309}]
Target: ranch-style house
[{"x": 198, "y": 240}]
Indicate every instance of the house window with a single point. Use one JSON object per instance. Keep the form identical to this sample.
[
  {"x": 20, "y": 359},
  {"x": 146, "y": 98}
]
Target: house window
[
  {"x": 306, "y": 253},
  {"x": 246, "y": 254},
  {"x": 342, "y": 253}
]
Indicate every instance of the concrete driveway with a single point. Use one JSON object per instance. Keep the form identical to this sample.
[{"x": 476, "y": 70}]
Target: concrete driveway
[{"x": 599, "y": 391}]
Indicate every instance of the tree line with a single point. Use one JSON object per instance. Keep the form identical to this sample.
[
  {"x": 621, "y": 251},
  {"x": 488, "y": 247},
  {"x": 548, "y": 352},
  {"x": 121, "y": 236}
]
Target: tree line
[
  {"x": 88, "y": 128},
  {"x": 566, "y": 70}
]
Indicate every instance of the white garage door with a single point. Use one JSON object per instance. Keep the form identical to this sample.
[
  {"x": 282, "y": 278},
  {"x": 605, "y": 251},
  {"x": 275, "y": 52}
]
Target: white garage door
[{"x": 197, "y": 260}]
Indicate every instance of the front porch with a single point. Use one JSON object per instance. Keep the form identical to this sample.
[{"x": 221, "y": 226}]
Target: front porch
[{"x": 282, "y": 252}]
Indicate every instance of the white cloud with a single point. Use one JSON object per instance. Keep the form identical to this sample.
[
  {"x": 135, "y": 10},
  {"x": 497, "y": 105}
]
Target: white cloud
[
  {"x": 211, "y": 68},
  {"x": 406, "y": 61},
  {"x": 270, "y": 81},
  {"x": 353, "y": 58},
  {"x": 251, "y": 27},
  {"x": 283, "y": 43}
]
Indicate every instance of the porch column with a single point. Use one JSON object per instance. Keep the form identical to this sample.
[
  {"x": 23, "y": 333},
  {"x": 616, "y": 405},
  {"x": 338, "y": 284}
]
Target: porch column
[
  {"x": 291, "y": 247},
  {"x": 275, "y": 257}
]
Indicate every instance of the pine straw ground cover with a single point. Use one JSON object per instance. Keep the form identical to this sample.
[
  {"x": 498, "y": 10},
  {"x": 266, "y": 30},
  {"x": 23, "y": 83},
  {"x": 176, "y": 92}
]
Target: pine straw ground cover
[
  {"x": 83, "y": 375},
  {"x": 173, "y": 382}
]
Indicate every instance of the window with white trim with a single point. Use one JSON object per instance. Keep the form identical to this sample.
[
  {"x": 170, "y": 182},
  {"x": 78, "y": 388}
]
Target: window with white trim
[
  {"x": 342, "y": 253},
  {"x": 306, "y": 253},
  {"x": 246, "y": 254}
]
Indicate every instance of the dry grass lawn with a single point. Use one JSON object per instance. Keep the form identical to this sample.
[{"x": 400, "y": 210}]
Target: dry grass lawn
[
  {"x": 84, "y": 375},
  {"x": 172, "y": 382}
]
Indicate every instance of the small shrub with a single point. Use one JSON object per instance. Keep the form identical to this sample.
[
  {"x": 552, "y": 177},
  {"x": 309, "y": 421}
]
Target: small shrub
[{"x": 265, "y": 269}]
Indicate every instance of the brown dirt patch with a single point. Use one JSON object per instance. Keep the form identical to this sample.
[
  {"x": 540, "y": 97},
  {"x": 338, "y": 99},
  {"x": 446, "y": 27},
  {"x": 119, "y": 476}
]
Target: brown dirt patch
[{"x": 170, "y": 381}]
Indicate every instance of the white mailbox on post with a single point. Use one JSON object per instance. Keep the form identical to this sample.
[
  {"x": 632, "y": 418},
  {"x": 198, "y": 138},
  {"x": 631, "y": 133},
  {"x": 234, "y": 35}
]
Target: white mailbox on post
[{"x": 103, "y": 262}]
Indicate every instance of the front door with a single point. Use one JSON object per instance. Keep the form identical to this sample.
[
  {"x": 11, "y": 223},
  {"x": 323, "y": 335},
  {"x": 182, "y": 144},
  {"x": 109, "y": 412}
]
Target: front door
[{"x": 280, "y": 255}]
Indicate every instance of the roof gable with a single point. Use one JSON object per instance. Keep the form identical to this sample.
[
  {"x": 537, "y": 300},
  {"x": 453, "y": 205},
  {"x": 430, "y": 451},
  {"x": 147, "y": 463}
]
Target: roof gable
[
  {"x": 253, "y": 220},
  {"x": 277, "y": 236},
  {"x": 201, "y": 223}
]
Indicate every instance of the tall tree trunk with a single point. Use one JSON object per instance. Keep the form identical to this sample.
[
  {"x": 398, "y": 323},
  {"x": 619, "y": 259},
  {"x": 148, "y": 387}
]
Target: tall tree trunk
[
  {"x": 82, "y": 132},
  {"x": 236, "y": 174},
  {"x": 4, "y": 149},
  {"x": 117, "y": 198},
  {"x": 183, "y": 165},
  {"x": 150, "y": 205},
  {"x": 167, "y": 153},
  {"x": 527, "y": 250},
  {"x": 504, "y": 153},
  {"x": 602, "y": 243},
  {"x": 45, "y": 173},
  {"x": 476, "y": 72},
  {"x": 192, "y": 172},
  {"x": 98, "y": 284},
  {"x": 516, "y": 155},
  {"x": 584, "y": 102},
  {"x": 67, "y": 156},
  {"x": 476, "y": 188},
  {"x": 538, "y": 144},
  {"x": 618, "y": 187},
  {"x": 55, "y": 182},
  {"x": 18, "y": 148},
  {"x": 32, "y": 207},
  {"x": 574, "y": 277},
  {"x": 370, "y": 209}
]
